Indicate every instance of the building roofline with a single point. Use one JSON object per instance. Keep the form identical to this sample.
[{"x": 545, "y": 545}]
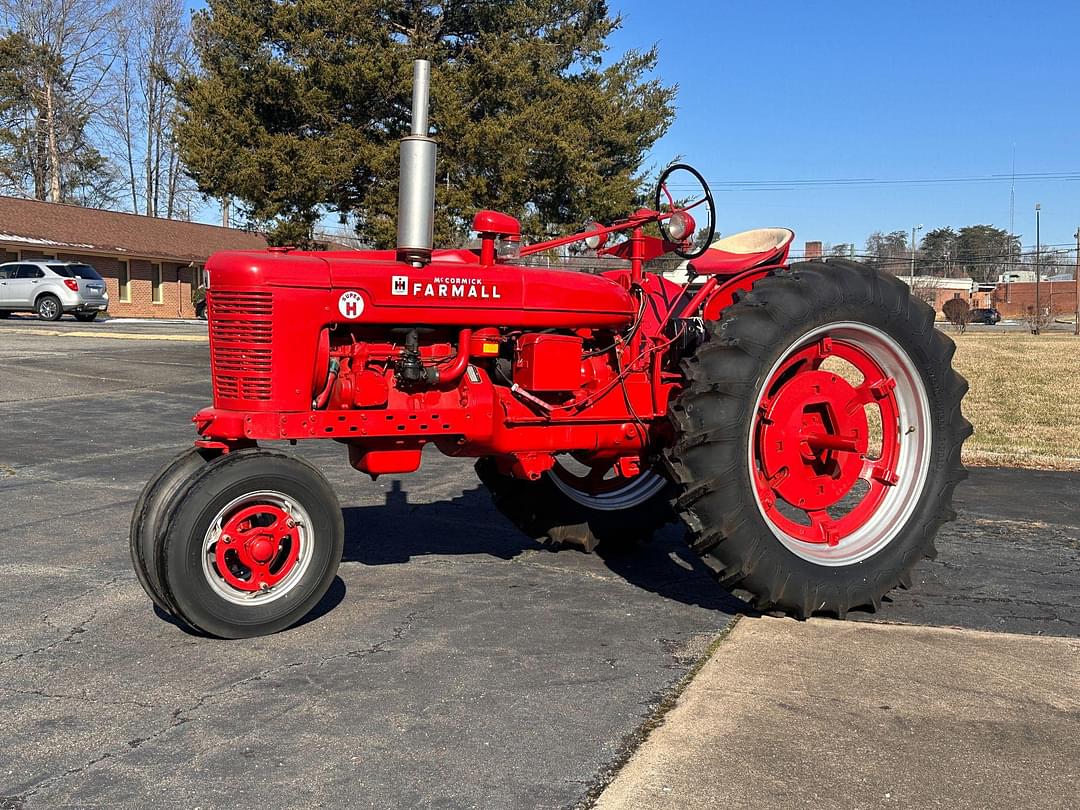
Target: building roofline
[
  {"x": 123, "y": 213},
  {"x": 113, "y": 253}
]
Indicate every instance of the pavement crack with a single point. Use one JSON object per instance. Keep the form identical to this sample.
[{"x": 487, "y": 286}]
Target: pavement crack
[
  {"x": 37, "y": 788},
  {"x": 75, "y": 631},
  {"x": 659, "y": 705},
  {"x": 179, "y": 715},
  {"x": 182, "y": 715},
  {"x": 72, "y": 632},
  {"x": 397, "y": 634}
]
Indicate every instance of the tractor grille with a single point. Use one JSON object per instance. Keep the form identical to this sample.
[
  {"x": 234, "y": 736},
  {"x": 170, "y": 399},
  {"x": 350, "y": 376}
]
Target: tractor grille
[{"x": 241, "y": 342}]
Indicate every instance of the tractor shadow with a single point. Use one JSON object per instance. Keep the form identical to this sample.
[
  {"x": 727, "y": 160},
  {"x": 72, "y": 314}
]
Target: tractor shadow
[{"x": 395, "y": 532}]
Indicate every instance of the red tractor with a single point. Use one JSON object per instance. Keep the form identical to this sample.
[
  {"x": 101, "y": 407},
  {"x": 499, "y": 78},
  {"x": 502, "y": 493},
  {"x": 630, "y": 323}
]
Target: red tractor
[{"x": 802, "y": 420}]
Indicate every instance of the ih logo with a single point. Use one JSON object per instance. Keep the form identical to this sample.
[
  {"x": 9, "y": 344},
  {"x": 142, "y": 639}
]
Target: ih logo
[
  {"x": 400, "y": 285},
  {"x": 351, "y": 304}
]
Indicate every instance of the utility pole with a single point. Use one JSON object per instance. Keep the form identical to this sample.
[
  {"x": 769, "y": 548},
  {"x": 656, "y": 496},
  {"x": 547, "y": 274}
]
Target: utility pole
[
  {"x": 1038, "y": 302},
  {"x": 1012, "y": 212},
  {"x": 1076, "y": 285},
  {"x": 225, "y": 212},
  {"x": 914, "y": 228}
]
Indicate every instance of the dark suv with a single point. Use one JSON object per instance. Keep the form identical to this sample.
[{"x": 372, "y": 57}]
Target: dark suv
[{"x": 987, "y": 315}]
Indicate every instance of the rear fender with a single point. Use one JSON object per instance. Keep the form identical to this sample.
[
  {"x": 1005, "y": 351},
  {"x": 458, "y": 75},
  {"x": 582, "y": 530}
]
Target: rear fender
[
  {"x": 724, "y": 294},
  {"x": 66, "y": 296}
]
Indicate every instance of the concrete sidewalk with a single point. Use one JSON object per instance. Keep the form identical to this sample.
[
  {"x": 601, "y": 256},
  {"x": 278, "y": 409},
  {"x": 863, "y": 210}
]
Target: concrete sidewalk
[{"x": 831, "y": 714}]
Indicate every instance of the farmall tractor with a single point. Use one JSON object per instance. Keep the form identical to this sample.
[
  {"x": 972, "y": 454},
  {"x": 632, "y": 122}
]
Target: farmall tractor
[{"x": 803, "y": 420}]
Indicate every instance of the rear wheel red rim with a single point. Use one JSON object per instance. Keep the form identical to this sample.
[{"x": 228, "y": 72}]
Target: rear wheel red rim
[{"x": 831, "y": 491}]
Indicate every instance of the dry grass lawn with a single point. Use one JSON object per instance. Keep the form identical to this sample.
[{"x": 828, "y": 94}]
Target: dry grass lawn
[{"x": 1024, "y": 400}]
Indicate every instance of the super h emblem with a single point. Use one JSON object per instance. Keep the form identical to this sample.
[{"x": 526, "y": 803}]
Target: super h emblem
[
  {"x": 351, "y": 304},
  {"x": 399, "y": 285}
]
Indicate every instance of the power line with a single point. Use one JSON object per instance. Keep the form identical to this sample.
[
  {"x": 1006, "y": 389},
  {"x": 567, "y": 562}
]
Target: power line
[{"x": 855, "y": 182}]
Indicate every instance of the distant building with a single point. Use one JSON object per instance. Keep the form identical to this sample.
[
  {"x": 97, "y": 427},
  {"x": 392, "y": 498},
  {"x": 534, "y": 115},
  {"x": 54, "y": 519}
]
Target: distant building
[
  {"x": 813, "y": 250},
  {"x": 1016, "y": 275},
  {"x": 150, "y": 265},
  {"x": 936, "y": 291},
  {"x": 1017, "y": 300}
]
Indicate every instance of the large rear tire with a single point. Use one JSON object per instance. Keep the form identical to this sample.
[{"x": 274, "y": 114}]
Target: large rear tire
[
  {"x": 819, "y": 439},
  {"x": 558, "y": 508},
  {"x": 249, "y": 544}
]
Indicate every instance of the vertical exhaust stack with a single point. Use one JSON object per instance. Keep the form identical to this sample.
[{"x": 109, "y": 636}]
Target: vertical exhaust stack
[{"x": 416, "y": 191}]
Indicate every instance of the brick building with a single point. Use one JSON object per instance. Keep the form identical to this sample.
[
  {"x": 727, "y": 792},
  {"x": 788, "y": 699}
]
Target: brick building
[
  {"x": 936, "y": 291},
  {"x": 150, "y": 265},
  {"x": 1016, "y": 299}
]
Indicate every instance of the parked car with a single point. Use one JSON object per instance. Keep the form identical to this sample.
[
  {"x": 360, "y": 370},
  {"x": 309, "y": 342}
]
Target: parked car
[
  {"x": 52, "y": 288},
  {"x": 987, "y": 315}
]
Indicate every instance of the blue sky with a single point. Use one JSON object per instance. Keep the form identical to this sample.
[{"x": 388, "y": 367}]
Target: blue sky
[
  {"x": 870, "y": 90},
  {"x": 885, "y": 91}
]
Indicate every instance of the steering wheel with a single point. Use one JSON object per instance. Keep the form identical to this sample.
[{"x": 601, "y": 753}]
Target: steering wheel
[{"x": 705, "y": 197}]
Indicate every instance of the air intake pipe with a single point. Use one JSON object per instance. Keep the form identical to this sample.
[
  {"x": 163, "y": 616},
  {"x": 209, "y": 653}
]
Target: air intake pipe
[{"x": 416, "y": 190}]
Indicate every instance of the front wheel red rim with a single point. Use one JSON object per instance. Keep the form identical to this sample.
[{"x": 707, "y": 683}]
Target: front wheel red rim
[
  {"x": 257, "y": 548},
  {"x": 840, "y": 443}
]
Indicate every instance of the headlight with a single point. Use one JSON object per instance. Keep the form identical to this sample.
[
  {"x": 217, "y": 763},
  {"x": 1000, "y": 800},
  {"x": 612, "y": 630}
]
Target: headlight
[
  {"x": 596, "y": 240},
  {"x": 508, "y": 248},
  {"x": 679, "y": 226}
]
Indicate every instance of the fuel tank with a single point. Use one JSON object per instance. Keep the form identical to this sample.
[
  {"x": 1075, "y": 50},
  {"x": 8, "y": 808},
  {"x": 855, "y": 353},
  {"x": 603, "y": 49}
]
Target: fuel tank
[{"x": 370, "y": 287}]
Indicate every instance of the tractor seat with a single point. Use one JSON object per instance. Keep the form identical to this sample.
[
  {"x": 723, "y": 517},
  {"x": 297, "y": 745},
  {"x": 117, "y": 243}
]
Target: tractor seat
[{"x": 741, "y": 251}]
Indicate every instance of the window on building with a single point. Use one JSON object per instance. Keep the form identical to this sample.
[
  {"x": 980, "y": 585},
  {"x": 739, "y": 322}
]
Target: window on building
[
  {"x": 155, "y": 283},
  {"x": 123, "y": 281},
  {"x": 198, "y": 277}
]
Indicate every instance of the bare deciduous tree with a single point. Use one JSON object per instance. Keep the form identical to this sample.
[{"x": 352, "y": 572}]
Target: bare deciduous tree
[
  {"x": 153, "y": 47},
  {"x": 926, "y": 288},
  {"x": 1038, "y": 319},
  {"x": 70, "y": 54}
]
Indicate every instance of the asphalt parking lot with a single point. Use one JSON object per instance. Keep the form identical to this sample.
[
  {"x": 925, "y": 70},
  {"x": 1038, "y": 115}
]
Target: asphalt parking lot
[{"x": 454, "y": 662}]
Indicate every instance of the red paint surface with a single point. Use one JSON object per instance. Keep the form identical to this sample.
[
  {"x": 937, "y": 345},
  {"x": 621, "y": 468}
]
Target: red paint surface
[{"x": 567, "y": 362}]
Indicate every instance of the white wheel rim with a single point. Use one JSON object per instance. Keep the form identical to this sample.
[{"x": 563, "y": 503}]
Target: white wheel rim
[{"x": 636, "y": 491}]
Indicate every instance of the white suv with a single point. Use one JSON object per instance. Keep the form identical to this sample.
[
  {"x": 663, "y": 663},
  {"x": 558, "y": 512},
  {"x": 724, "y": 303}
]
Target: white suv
[{"x": 52, "y": 288}]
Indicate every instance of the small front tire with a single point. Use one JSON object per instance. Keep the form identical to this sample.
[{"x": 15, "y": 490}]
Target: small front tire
[
  {"x": 250, "y": 544},
  {"x": 146, "y": 519}
]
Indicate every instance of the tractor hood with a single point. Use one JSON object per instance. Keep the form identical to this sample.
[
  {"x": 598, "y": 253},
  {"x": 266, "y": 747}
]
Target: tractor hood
[{"x": 370, "y": 287}]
